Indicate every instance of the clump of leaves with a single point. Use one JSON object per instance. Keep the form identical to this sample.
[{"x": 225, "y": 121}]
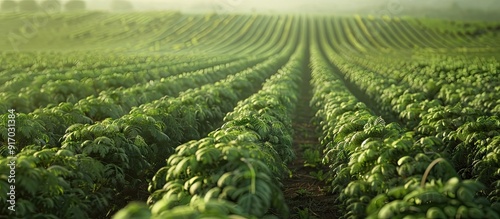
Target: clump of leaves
[{"x": 312, "y": 158}]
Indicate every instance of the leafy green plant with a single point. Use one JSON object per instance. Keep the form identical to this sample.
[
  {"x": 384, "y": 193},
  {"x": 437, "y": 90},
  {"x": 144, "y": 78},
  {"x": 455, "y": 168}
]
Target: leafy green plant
[
  {"x": 241, "y": 163},
  {"x": 312, "y": 158}
]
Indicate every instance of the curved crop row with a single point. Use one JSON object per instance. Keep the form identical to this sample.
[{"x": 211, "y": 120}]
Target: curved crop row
[
  {"x": 235, "y": 170},
  {"x": 125, "y": 151},
  {"x": 378, "y": 169},
  {"x": 49, "y": 89},
  {"x": 459, "y": 113},
  {"x": 49, "y": 124}
]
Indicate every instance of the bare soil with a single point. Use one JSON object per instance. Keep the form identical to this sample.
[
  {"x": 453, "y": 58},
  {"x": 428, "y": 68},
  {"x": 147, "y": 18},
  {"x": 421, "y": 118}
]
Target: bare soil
[{"x": 306, "y": 195}]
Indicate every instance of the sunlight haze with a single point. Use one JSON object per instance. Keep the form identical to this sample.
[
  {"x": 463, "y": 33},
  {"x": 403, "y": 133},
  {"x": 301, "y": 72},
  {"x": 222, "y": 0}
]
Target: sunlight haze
[{"x": 293, "y": 5}]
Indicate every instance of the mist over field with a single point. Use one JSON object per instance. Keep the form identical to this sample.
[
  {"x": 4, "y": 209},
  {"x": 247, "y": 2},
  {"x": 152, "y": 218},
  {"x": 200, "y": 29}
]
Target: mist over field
[
  {"x": 453, "y": 9},
  {"x": 299, "y": 5}
]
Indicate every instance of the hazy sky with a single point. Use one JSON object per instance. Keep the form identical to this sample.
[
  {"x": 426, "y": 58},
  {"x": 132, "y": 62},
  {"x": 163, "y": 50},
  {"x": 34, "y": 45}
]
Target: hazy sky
[{"x": 285, "y": 5}]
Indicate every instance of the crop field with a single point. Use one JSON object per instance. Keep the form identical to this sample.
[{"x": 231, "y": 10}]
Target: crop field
[{"x": 191, "y": 115}]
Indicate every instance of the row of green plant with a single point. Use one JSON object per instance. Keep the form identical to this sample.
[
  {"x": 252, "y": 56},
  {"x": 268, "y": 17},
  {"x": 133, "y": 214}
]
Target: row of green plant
[
  {"x": 50, "y": 123},
  {"x": 124, "y": 152},
  {"x": 240, "y": 35},
  {"x": 234, "y": 172},
  {"x": 380, "y": 170},
  {"x": 451, "y": 80},
  {"x": 456, "y": 106},
  {"x": 403, "y": 33},
  {"x": 55, "y": 88},
  {"x": 36, "y": 69}
]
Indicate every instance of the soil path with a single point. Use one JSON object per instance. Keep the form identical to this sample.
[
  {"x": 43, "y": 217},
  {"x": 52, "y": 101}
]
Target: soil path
[{"x": 305, "y": 194}]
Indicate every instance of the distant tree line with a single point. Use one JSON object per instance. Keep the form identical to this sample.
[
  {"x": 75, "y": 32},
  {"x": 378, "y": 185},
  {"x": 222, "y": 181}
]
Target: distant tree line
[
  {"x": 45, "y": 5},
  {"x": 121, "y": 5},
  {"x": 57, "y": 6}
]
